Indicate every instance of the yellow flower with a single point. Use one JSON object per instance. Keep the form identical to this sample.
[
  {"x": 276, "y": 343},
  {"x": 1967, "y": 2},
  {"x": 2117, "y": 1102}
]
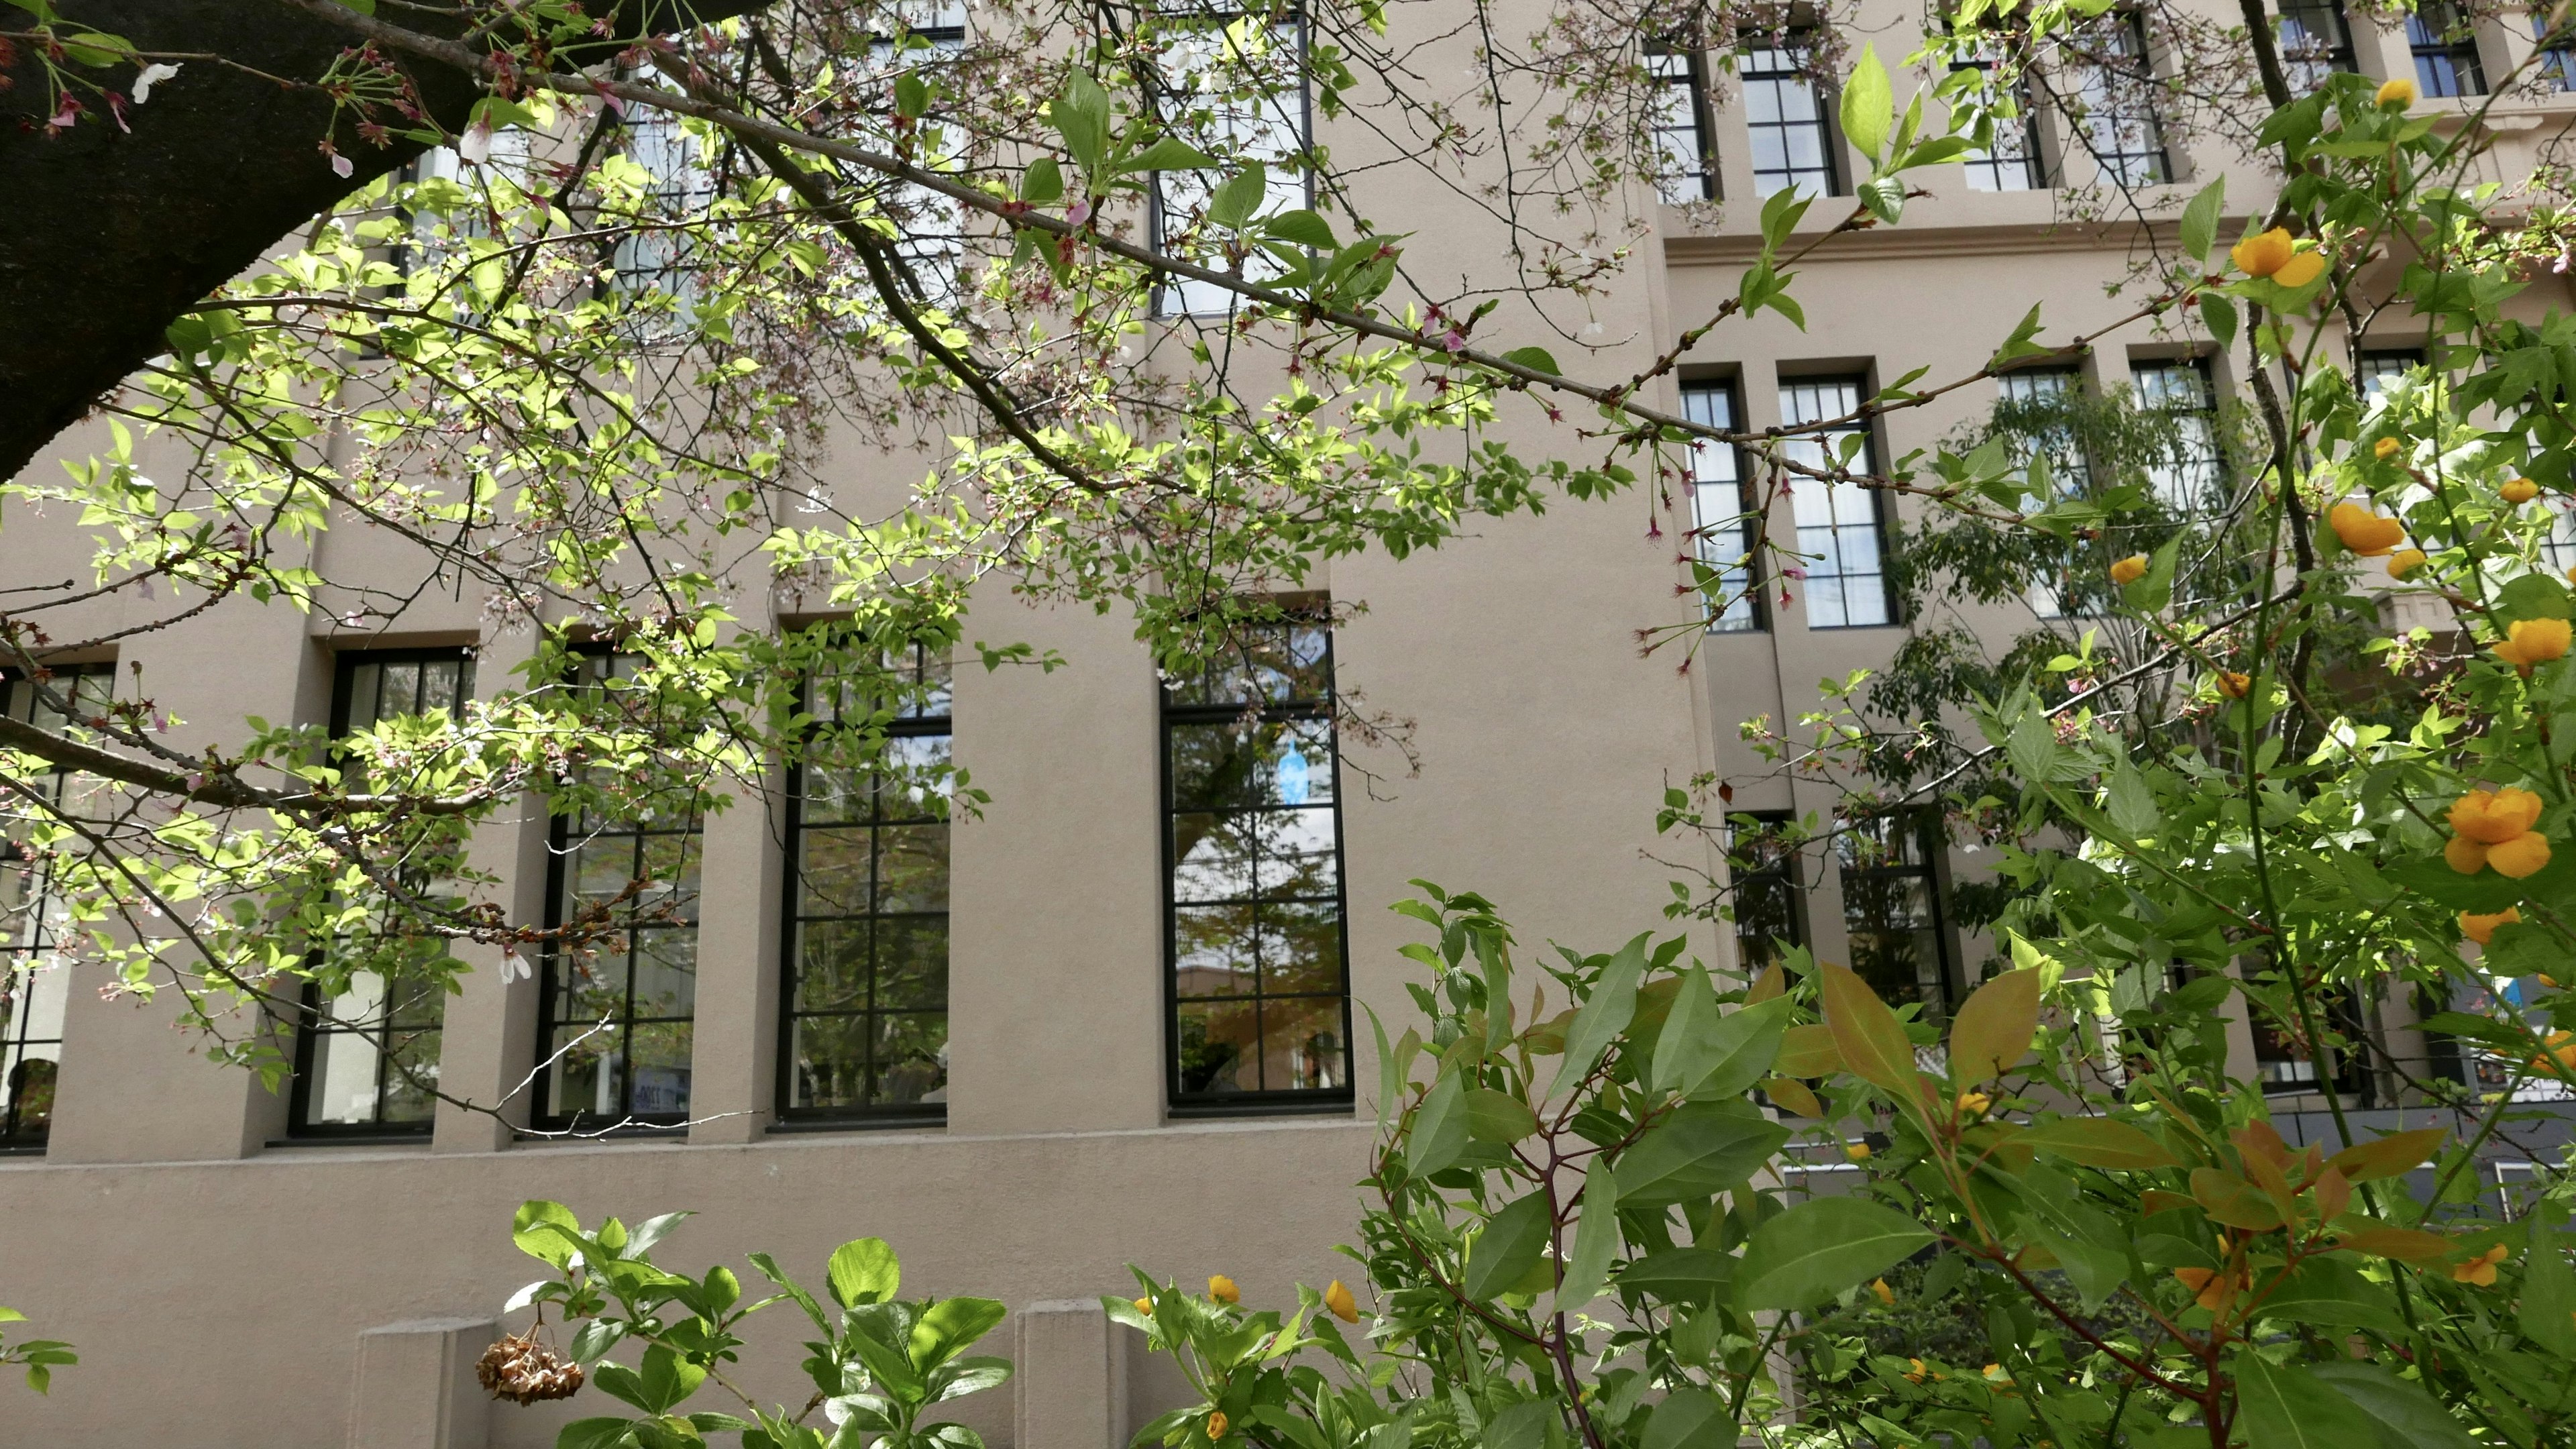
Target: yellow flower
[
  {"x": 2479, "y": 1270},
  {"x": 1886, "y": 1295},
  {"x": 1222, "y": 1289},
  {"x": 1338, "y": 1299},
  {"x": 1996, "y": 1372},
  {"x": 2262, "y": 254},
  {"x": 2233, "y": 684},
  {"x": 2386, "y": 448},
  {"x": 2482, "y": 929},
  {"x": 2528, "y": 642},
  {"x": 1914, "y": 1370},
  {"x": 1145, "y": 1306},
  {"x": 2492, "y": 817},
  {"x": 2210, "y": 1288},
  {"x": 1216, "y": 1424},
  {"x": 2365, "y": 532},
  {"x": 2571, "y": 573},
  {"x": 1974, "y": 1104},
  {"x": 2300, "y": 269},
  {"x": 2464, "y": 855},
  {"x": 1856, "y": 1151},
  {"x": 2405, "y": 561},
  {"x": 2520, "y": 490},
  {"x": 2524, "y": 855},
  {"x": 2129, "y": 570},
  {"x": 2399, "y": 93},
  {"x": 2558, "y": 1054}
]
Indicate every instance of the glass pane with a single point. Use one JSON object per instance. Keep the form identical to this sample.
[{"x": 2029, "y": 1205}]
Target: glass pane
[
  {"x": 1219, "y": 1045},
  {"x": 912, "y": 964},
  {"x": 593, "y": 990},
  {"x": 1212, "y": 857},
  {"x": 909, "y": 786},
  {"x": 661, "y": 1068},
  {"x": 1213, "y": 950},
  {"x": 834, "y": 871},
  {"x": 832, "y": 966},
  {"x": 601, "y": 870},
  {"x": 669, "y": 865},
  {"x": 1298, "y": 856},
  {"x": 830, "y": 1061},
  {"x": 343, "y": 1091},
  {"x": 834, "y": 794},
  {"x": 1301, "y": 948},
  {"x": 364, "y": 681},
  {"x": 1301, "y": 1041},
  {"x": 911, "y": 1058},
  {"x": 666, "y": 972},
  {"x": 27, "y": 1078},
  {"x": 411, "y": 1073},
  {"x": 912, "y": 868},
  {"x": 581, "y": 1076}
]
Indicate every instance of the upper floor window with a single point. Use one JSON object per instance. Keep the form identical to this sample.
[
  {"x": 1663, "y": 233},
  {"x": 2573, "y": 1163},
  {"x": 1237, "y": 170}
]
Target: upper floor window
[
  {"x": 1236, "y": 88},
  {"x": 1784, "y": 116},
  {"x": 2557, "y": 60},
  {"x": 865, "y": 1034},
  {"x": 2118, "y": 87},
  {"x": 1260, "y": 987},
  {"x": 619, "y": 1013},
  {"x": 2445, "y": 48},
  {"x": 2314, "y": 42},
  {"x": 34, "y": 979},
  {"x": 1688, "y": 162},
  {"x": 2034, "y": 410},
  {"x": 1769, "y": 902},
  {"x": 2012, "y": 162},
  {"x": 1841, "y": 528},
  {"x": 2192, "y": 467},
  {"x": 656, "y": 255},
  {"x": 1723, "y": 521},
  {"x": 930, "y": 246},
  {"x": 366, "y": 1060},
  {"x": 1900, "y": 942}
]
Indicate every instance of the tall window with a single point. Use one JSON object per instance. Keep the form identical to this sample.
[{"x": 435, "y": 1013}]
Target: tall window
[
  {"x": 1688, "y": 169},
  {"x": 655, "y": 257},
  {"x": 618, "y": 1014},
  {"x": 1784, "y": 116},
  {"x": 2315, "y": 42},
  {"x": 34, "y": 979},
  {"x": 1722, "y": 503},
  {"x": 1839, "y": 526},
  {"x": 2446, "y": 51},
  {"x": 1236, "y": 89},
  {"x": 2012, "y": 163},
  {"x": 366, "y": 1061},
  {"x": 2557, "y": 65},
  {"x": 1260, "y": 988},
  {"x": 930, "y": 244},
  {"x": 2192, "y": 468},
  {"x": 2035, "y": 404},
  {"x": 2117, "y": 84},
  {"x": 866, "y": 1029},
  {"x": 1900, "y": 944},
  {"x": 1770, "y": 909}
]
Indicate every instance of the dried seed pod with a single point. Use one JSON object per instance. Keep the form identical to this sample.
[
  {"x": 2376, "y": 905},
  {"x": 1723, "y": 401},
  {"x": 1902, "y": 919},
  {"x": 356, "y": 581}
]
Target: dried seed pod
[{"x": 524, "y": 1371}]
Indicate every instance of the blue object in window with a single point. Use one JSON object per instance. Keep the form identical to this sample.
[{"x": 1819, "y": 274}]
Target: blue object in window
[{"x": 1293, "y": 782}]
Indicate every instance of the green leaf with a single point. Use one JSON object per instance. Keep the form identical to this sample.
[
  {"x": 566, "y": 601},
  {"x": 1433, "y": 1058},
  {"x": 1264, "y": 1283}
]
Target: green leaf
[
  {"x": 1498, "y": 1117},
  {"x": 595, "y": 1434},
  {"x": 1596, "y": 1238},
  {"x": 1439, "y": 1136},
  {"x": 2200, "y": 221},
  {"x": 1689, "y": 1023},
  {"x": 2331, "y": 1292},
  {"x": 2531, "y": 596},
  {"x": 1523, "y": 1425},
  {"x": 911, "y": 94},
  {"x": 1993, "y": 1028},
  {"x": 2100, "y": 1142},
  {"x": 951, "y": 1326},
  {"x": 1727, "y": 1059},
  {"x": 2286, "y": 1407},
  {"x": 1820, "y": 1247},
  {"x": 1043, "y": 183},
  {"x": 1869, "y": 106},
  {"x": 1168, "y": 154},
  {"x": 1696, "y": 1276},
  {"x": 1690, "y": 1419},
  {"x": 1701, "y": 1149},
  {"x": 1081, "y": 116},
  {"x": 1536, "y": 359},
  {"x": 2548, "y": 1292},
  {"x": 1884, "y": 196},
  {"x": 2406, "y": 1415},
  {"x": 668, "y": 1379},
  {"x": 1868, "y": 1035},
  {"x": 864, "y": 1270},
  {"x": 1302, "y": 227},
  {"x": 1238, "y": 197},
  {"x": 1508, "y": 1248},
  {"x": 2218, "y": 314},
  {"x": 1605, "y": 1013},
  {"x": 529, "y": 1228}
]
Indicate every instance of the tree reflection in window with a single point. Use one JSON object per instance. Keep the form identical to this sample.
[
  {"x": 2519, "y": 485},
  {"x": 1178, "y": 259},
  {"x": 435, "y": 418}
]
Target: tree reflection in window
[
  {"x": 1770, "y": 910},
  {"x": 1892, "y": 909},
  {"x": 1259, "y": 985},
  {"x": 34, "y": 978}
]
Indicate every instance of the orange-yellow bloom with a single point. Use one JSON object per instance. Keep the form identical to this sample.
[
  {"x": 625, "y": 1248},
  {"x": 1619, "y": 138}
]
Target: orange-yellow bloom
[
  {"x": 1145, "y": 1306},
  {"x": 2405, "y": 561},
  {"x": 1222, "y": 1289},
  {"x": 1974, "y": 1104},
  {"x": 2262, "y": 254},
  {"x": 1216, "y": 1424},
  {"x": 2365, "y": 532},
  {"x": 2300, "y": 269},
  {"x": 2480, "y": 1270},
  {"x": 2524, "y": 855},
  {"x": 2385, "y": 449},
  {"x": 2210, "y": 1288},
  {"x": 2519, "y": 490},
  {"x": 2129, "y": 570},
  {"x": 2464, "y": 855},
  {"x": 2399, "y": 93},
  {"x": 2528, "y": 642},
  {"x": 2233, "y": 684},
  {"x": 1914, "y": 1370},
  {"x": 2482, "y": 928},
  {"x": 2492, "y": 817},
  {"x": 1338, "y": 1298},
  {"x": 1886, "y": 1295},
  {"x": 1856, "y": 1151},
  {"x": 2558, "y": 1053}
]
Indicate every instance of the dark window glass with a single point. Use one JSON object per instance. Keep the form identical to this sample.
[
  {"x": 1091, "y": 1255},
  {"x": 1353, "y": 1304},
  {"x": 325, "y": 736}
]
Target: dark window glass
[
  {"x": 2315, "y": 42},
  {"x": 1784, "y": 117},
  {"x": 1840, "y": 526},
  {"x": 366, "y": 1060},
  {"x": 1688, "y": 169},
  {"x": 2284, "y": 1062},
  {"x": 2446, "y": 51},
  {"x": 2117, "y": 85},
  {"x": 34, "y": 978},
  {"x": 1900, "y": 937},
  {"x": 619, "y": 1012},
  {"x": 866, "y": 971},
  {"x": 2382, "y": 366},
  {"x": 1770, "y": 907},
  {"x": 1722, "y": 503},
  {"x": 1256, "y": 947},
  {"x": 2557, "y": 66}
]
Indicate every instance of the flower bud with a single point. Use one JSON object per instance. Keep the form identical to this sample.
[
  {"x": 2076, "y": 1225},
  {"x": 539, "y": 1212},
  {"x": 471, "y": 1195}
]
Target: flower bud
[
  {"x": 2127, "y": 571},
  {"x": 2482, "y": 928},
  {"x": 2405, "y": 561},
  {"x": 2520, "y": 490},
  {"x": 1338, "y": 1299},
  {"x": 2396, "y": 94},
  {"x": 1222, "y": 1289},
  {"x": 2386, "y": 448}
]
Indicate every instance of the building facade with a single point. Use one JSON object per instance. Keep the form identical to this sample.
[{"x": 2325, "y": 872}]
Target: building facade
[{"x": 1119, "y": 1015}]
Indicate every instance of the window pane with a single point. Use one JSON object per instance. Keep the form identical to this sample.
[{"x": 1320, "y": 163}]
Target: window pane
[
  {"x": 1721, "y": 507},
  {"x": 1238, "y": 94},
  {"x": 1838, "y": 529},
  {"x": 1785, "y": 118},
  {"x": 1218, "y": 1048}
]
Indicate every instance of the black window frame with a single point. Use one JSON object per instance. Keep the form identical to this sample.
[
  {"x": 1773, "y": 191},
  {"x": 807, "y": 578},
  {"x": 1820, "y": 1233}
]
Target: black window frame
[
  {"x": 1788, "y": 41},
  {"x": 312, "y": 1012},
  {"x": 908, "y": 721},
  {"x": 2205, "y": 410},
  {"x": 2446, "y": 53},
  {"x": 1180, "y": 1104},
  {"x": 2556, "y": 62},
  {"x": 2119, "y": 164},
  {"x": 2032, "y": 160},
  {"x": 559, "y": 851},
  {"x": 1922, "y": 826},
  {"x": 1690, "y": 77},
  {"x": 2372, "y": 366},
  {"x": 1780, "y": 872},
  {"x": 17, "y": 1138},
  {"x": 1697, "y": 396},
  {"x": 1882, "y": 534},
  {"x": 2296, "y": 25}
]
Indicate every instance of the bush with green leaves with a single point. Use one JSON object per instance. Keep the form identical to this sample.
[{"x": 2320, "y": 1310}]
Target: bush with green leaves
[{"x": 41, "y": 1356}]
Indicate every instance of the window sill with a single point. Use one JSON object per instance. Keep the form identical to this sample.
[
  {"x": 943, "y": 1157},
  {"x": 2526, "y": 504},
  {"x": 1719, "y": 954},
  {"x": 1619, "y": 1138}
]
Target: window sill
[
  {"x": 1201, "y": 1111},
  {"x": 927, "y": 1122},
  {"x": 350, "y": 1139}
]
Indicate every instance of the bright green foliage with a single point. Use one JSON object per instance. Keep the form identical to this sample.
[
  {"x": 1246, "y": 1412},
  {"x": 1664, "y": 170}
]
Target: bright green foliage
[
  {"x": 40, "y": 1355},
  {"x": 881, "y": 1366}
]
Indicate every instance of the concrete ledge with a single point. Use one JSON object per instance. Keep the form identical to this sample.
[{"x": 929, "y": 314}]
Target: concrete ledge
[{"x": 415, "y": 1386}]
